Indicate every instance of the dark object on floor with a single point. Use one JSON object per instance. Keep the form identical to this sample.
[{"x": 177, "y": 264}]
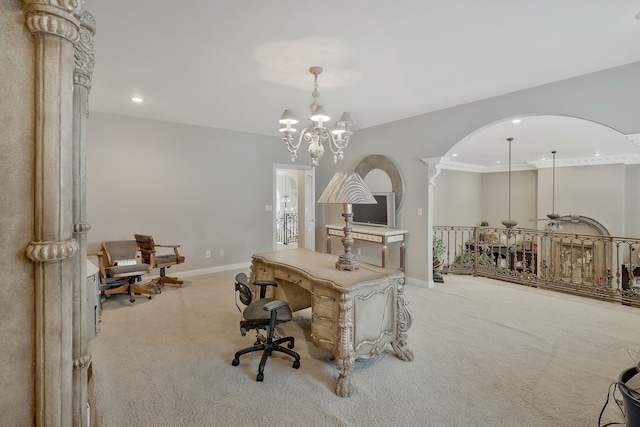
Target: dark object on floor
[
  {"x": 631, "y": 398},
  {"x": 437, "y": 277}
]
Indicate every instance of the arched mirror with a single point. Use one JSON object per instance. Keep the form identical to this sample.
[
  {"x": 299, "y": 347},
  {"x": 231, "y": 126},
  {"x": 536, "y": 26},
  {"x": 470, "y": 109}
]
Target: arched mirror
[{"x": 381, "y": 174}]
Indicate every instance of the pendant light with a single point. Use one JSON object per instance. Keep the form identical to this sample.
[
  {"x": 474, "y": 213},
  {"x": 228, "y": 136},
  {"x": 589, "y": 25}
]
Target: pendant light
[
  {"x": 509, "y": 223},
  {"x": 553, "y": 215}
]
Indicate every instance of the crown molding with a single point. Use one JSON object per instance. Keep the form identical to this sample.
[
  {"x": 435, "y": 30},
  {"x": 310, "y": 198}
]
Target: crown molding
[
  {"x": 448, "y": 164},
  {"x": 634, "y": 137},
  {"x": 613, "y": 159}
]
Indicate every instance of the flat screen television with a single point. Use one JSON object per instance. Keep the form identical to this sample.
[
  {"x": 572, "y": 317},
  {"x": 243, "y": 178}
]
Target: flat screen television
[{"x": 382, "y": 214}]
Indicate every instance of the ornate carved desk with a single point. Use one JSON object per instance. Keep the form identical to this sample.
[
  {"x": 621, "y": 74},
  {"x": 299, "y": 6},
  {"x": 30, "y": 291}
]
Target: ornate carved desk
[{"x": 354, "y": 314}]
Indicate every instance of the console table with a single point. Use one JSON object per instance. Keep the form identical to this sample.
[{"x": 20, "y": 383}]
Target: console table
[
  {"x": 379, "y": 235},
  {"x": 354, "y": 314}
]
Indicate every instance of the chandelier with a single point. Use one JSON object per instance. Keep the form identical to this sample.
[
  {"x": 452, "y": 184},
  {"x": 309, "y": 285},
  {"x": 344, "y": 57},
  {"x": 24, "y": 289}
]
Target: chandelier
[{"x": 316, "y": 134}]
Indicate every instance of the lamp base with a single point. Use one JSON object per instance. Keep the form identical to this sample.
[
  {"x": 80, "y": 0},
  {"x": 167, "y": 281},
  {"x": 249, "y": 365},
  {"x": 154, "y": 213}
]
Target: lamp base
[{"x": 347, "y": 262}]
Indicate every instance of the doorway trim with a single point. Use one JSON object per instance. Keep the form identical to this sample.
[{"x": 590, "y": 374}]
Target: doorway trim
[{"x": 302, "y": 201}]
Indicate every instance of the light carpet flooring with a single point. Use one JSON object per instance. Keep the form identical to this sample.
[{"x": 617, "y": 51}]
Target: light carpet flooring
[{"x": 487, "y": 353}]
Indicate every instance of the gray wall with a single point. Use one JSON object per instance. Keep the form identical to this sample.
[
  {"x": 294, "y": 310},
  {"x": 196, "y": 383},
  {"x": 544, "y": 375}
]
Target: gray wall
[
  {"x": 205, "y": 189},
  {"x": 597, "y": 192},
  {"x": 462, "y": 192},
  {"x": 608, "y": 97},
  {"x": 631, "y": 213},
  {"x": 216, "y": 183},
  {"x": 495, "y": 198}
]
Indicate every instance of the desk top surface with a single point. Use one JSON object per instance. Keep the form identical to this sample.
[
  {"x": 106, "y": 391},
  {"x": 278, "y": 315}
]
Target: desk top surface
[
  {"x": 379, "y": 231},
  {"x": 321, "y": 266}
]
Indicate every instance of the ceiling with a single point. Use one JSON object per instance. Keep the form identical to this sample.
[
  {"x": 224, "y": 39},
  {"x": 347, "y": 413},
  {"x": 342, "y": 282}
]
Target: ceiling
[{"x": 238, "y": 64}]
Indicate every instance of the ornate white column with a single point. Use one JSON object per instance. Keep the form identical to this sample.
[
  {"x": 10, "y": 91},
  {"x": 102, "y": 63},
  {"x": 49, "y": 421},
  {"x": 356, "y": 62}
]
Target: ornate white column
[
  {"x": 84, "y": 66},
  {"x": 433, "y": 165},
  {"x": 54, "y": 25}
]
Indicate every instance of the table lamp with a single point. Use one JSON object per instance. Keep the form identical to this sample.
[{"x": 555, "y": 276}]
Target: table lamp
[{"x": 347, "y": 188}]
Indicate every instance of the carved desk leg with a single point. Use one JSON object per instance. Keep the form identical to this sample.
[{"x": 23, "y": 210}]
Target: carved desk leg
[
  {"x": 346, "y": 358},
  {"x": 403, "y": 320}
]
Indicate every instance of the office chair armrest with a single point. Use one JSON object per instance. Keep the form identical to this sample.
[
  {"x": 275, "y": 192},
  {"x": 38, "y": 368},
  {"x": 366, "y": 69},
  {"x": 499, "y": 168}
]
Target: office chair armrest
[
  {"x": 274, "y": 305},
  {"x": 263, "y": 286}
]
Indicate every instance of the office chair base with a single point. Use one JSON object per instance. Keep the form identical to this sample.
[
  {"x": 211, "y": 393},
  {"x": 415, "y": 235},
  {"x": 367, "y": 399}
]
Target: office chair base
[
  {"x": 159, "y": 282},
  {"x": 267, "y": 349},
  {"x": 130, "y": 289}
]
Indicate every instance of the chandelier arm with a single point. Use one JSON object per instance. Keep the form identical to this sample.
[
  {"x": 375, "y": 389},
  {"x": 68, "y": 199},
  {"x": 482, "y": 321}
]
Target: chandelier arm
[
  {"x": 290, "y": 146},
  {"x": 339, "y": 144},
  {"x": 293, "y": 148}
]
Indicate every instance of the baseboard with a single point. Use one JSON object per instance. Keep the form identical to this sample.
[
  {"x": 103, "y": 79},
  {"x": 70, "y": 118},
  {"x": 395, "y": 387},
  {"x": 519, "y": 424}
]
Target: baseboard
[
  {"x": 217, "y": 269},
  {"x": 417, "y": 282}
]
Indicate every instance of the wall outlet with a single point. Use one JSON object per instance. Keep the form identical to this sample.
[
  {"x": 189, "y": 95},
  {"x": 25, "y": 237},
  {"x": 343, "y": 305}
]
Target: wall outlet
[
  {"x": 221, "y": 252},
  {"x": 207, "y": 254},
  {"x": 419, "y": 211},
  {"x": 358, "y": 251}
]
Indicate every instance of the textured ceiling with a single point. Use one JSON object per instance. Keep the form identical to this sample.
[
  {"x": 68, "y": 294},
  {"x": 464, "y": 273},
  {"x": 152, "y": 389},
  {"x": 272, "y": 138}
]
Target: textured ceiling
[{"x": 238, "y": 64}]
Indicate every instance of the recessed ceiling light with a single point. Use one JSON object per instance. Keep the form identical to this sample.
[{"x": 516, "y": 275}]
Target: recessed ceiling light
[
  {"x": 454, "y": 155},
  {"x": 136, "y": 99},
  {"x": 596, "y": 154},
  {"x": 516, "y": 121},
  {"x": 497, "y": 161}
]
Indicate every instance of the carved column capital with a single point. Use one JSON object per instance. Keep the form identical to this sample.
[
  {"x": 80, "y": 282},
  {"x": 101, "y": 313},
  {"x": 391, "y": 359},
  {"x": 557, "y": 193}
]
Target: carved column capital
[
  {"x": 83, "y": 52},
  {"x": 51, "y": 251},
  {"x": 56, "y": 17},
  {"x": 434, "y": 165}
]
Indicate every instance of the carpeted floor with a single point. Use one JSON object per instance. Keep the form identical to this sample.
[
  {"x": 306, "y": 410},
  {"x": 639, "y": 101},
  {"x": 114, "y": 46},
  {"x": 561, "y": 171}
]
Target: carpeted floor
[{"x": 487, "y": 353}]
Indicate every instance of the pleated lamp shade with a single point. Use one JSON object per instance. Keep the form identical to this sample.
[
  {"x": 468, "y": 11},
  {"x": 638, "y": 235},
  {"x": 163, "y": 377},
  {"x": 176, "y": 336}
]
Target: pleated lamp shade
[{"x": 347, "y": 187}]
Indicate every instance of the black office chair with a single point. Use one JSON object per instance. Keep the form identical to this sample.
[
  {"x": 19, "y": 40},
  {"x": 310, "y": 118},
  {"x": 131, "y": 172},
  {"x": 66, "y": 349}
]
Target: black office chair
[{"x": 264, "y": 313}]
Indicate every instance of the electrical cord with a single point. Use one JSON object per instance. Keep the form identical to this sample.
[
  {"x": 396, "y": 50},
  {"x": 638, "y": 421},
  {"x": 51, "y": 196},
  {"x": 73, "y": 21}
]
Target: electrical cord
[{"x": 615, "y": 386}]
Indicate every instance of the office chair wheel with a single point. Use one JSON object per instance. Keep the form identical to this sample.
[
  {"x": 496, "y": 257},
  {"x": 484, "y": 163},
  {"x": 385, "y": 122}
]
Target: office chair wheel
[
  {"x": 296, "y": 364},
  {"x": 235, "y": 362},
  {"x": 132, "y": 300},
  {"x": 291, "y": 344},
  {"x": 260, "y": 377}
]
